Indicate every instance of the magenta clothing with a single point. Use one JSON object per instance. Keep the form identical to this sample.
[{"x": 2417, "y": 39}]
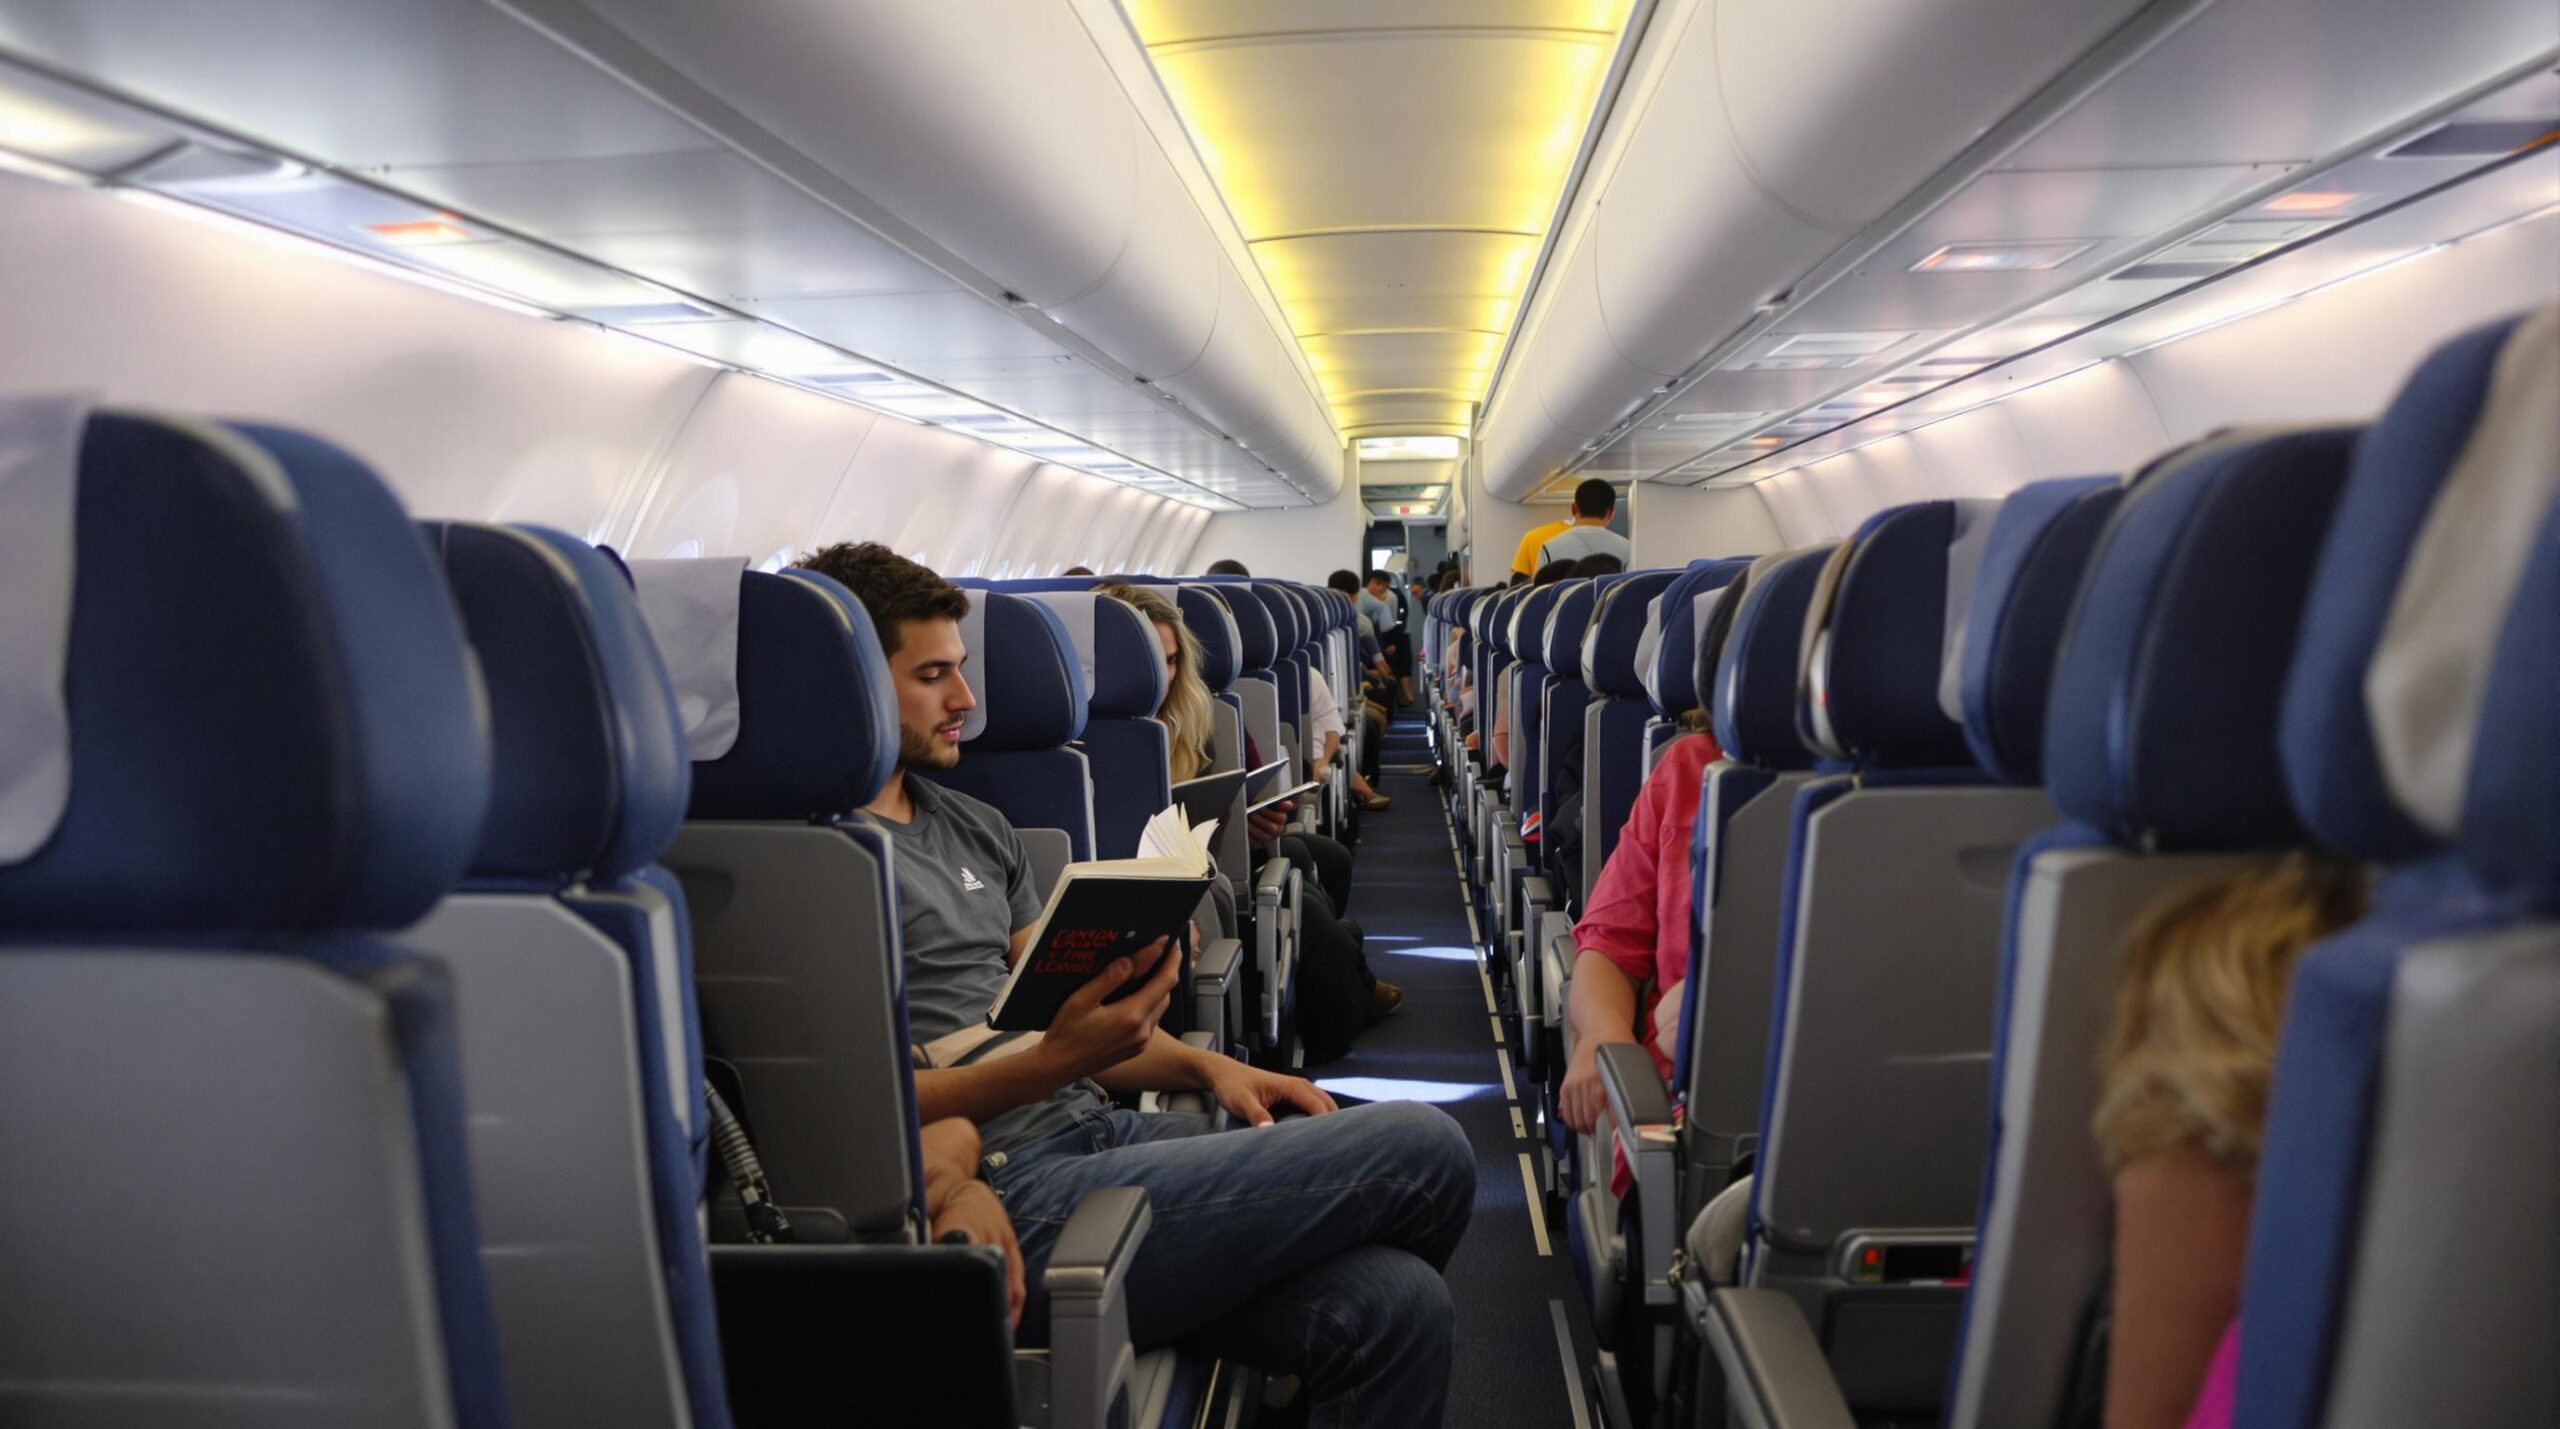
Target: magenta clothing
[
  {"x": 2221, "y": 1378},
  {"x": 1639, "y": 912}
]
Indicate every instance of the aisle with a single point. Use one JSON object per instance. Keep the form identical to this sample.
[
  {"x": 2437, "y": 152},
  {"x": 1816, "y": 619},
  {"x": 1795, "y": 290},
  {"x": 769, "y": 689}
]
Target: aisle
[{"x": 1515, "y": 1291}]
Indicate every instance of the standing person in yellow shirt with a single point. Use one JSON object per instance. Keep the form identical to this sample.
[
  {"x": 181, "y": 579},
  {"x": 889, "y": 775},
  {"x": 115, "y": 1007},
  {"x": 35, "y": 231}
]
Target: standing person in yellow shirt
[{"x": 1594, "y": 502}]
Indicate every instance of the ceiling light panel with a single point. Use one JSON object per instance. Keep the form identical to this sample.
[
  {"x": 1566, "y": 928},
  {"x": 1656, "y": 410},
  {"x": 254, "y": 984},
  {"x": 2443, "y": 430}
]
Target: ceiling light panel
[{"x": 1392, "y": 169}]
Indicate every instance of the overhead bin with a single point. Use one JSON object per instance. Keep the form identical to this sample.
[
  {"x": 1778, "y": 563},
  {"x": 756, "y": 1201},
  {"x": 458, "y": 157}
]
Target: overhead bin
[
  {"x": 1772, "y": 136},
  {"x": 997, "y": 132}
]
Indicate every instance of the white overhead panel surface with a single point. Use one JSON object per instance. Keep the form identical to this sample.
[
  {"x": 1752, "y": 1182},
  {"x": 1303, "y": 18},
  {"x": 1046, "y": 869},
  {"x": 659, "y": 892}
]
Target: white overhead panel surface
[
  {"x": 1823, "y": 209},
  {"x": 938, "y": 158},
  {"x": 994, "y": 135}
]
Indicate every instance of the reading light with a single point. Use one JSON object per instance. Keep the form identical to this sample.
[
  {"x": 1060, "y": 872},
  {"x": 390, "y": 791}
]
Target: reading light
[
  {"x": 2023, "y": 257},
  {"x": 422, "y": 233},
  {"x": 2309, "y": 201}
]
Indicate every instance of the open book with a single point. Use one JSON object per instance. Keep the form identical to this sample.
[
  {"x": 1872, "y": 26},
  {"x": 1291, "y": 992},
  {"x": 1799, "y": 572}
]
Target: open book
[{"x": 1104, "y": 910}]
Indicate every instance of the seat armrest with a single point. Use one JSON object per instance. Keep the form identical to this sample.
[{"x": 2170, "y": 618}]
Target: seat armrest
[
  {"x": 1090, "y": 1358},
  {"x": 802, "y": 1340},
  {"x": 1213, "y": 984},
  {"x": 1636, "y": 1095},
  {"x": 1774, "y": 1372},
  {"x": 1199, "y": 1103},
  {"x": 1640, "y": 1120}
]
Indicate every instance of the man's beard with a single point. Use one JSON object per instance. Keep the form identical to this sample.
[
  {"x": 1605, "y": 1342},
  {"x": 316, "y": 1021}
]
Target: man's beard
[{"x": 923, "y": 751}]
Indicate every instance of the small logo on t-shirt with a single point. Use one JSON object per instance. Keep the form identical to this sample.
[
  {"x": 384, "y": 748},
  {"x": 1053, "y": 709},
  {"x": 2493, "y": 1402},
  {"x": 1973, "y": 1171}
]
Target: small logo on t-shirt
[{"x": 969, "y": 881}]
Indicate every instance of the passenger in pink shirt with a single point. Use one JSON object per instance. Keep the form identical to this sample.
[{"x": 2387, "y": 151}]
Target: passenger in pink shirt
[{"x": 1634, "y": 935}]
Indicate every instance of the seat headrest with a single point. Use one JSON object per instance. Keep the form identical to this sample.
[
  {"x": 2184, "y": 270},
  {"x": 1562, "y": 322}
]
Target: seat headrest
[
  {"x": 2511, "y": 813},
  {"x": 817, "y": 717},
  {"x": 1024, "y": 670},
  {"x": 2161, "y": 727},
  {"x": 1616, "y": 633},
  {"x": 1667, "y": 655},
  {"x": 1260, "y": 638},
  {"x": 2031, "y": 568},
  {"x": 1523, "y": 631},
  {"x": 1755, "y": 680},
  {"x": 588, "y": 774},
  {"x": 2445, "y": 496},
  {"x": 1116, "y": 651},
  {"x": 273, "y": 723},
  {"x": 1213, "y": 627},
  {"x": 1875, "y": 643},
  {"x": 1283, "y": 612},
  {"x": 1559, "y": 648}
]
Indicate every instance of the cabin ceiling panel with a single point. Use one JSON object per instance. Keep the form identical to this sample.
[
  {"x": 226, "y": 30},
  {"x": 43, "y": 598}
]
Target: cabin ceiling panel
[
  {"x": 1387, "y": 413},
  {"x": 1392, "y": 169},
  {"x": 709, "y": 223},
  {"x": 1434, "y": 116},
  {"x": 474, "y": 111},
  {"x": 2269, "y": 82},
  {"x": 916, "y": 331},
  {"x": 404, "y": 84}
]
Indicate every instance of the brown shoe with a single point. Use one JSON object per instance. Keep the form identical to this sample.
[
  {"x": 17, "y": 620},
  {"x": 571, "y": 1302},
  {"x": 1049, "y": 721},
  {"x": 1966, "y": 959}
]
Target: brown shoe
[{"x": 1386, "y": 997}]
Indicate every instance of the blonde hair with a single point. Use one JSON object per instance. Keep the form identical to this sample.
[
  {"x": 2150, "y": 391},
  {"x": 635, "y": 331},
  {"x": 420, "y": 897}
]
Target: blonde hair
[
  {"x": 1186, "y": 714},
  {"x": 2188, "y": 1062}
]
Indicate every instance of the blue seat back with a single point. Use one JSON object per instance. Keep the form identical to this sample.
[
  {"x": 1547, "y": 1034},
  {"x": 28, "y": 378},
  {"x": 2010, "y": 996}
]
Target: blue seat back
[
  {"x": 1122, "y": 662},
  {"x": 2203, "y": 567},
  {"x": 1032, "y": 705},
  {"x": 2038, "y": 550},
  {"x": 275, "y": 747},
  {"x": 2449, "y": 492},
  {"x": 1613, "y": 734},
  {"x": 590, "y": 780}
]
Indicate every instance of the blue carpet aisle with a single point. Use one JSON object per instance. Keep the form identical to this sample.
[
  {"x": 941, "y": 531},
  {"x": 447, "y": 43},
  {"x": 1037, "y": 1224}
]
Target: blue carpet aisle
[{"x": 1515, "y": 1292}]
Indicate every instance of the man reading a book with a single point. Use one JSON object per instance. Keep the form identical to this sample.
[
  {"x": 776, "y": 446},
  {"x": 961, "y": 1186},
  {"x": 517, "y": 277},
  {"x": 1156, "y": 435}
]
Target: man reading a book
[{"x": 1307, "y": 1244}]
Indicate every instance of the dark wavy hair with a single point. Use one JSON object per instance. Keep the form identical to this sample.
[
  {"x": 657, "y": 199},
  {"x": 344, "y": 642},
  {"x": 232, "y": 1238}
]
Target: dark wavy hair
[{"x": 892, "y": 588}]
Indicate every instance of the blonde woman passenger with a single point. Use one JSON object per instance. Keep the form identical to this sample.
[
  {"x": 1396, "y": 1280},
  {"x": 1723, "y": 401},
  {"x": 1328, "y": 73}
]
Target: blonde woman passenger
[{"x": 2183, "y": 1104}]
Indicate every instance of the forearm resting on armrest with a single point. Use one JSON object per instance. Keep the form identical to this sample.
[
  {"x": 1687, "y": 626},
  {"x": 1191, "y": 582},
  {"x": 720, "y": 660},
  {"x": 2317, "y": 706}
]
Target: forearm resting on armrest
[
  {"x": 1772, "y": 1363},
  {"x": 987, "y": 1090}
]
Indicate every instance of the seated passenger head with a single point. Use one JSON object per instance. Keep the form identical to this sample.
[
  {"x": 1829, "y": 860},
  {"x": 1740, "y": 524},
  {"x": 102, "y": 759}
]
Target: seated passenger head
[
  {"x": 1228, "y": 567},
  {"x": 918, "y": 616},
  {"x": 1378, "y": 582},
  {"x": 2192, "y": 1052},
  {"x": 1594, "y": 500},
  {"x": 1185, "y": 714},
  {"x": 1077, "y": 571},
  {"x": 1344, "y": 581},
  {"x": 1552, "y": 572},
  {"x": 1597, "y": 565}
]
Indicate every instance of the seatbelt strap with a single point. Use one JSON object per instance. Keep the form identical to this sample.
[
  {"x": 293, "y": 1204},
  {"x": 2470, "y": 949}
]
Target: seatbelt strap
[{"x": 766, "y": 1224}]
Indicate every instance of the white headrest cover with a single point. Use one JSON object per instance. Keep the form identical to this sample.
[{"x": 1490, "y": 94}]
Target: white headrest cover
[
  {"x": 692, "y": 610},
  {"x": 973, "y": 639},
  {"x": 39, "y": 486},
  {"x": 1964, "y": 561},
  {"x": 2423, "y": 690},
  {"x": 1649, "y": 644},
  {"x": 1075, "y": 609}
]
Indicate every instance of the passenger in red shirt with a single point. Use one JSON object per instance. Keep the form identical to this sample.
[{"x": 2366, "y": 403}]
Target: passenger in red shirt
[{"x": 1634, "y": 935}]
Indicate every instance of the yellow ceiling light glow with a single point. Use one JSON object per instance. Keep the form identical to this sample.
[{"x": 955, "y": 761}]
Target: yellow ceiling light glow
[{"x": 1393, "y": 170}]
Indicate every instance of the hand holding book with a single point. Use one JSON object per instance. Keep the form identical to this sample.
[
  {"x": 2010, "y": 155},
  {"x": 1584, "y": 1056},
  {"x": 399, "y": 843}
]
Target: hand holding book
[{"x": 1104, "y": 911}]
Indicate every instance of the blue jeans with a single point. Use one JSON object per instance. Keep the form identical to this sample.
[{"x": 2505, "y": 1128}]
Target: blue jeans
[{"x": 1311, "y": 1247}]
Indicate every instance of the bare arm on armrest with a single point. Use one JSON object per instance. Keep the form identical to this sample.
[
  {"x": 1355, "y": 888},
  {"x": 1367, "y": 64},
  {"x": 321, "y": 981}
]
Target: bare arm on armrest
[
  {"x": 959, "y": 1205},
  {"x": 1601, "y": 1005},
  {"x": 1247, "y": 1092}
]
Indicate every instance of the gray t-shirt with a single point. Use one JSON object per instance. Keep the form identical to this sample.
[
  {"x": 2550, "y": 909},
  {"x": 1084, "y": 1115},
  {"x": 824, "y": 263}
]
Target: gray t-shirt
[{"x": 964, "y": 885}]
